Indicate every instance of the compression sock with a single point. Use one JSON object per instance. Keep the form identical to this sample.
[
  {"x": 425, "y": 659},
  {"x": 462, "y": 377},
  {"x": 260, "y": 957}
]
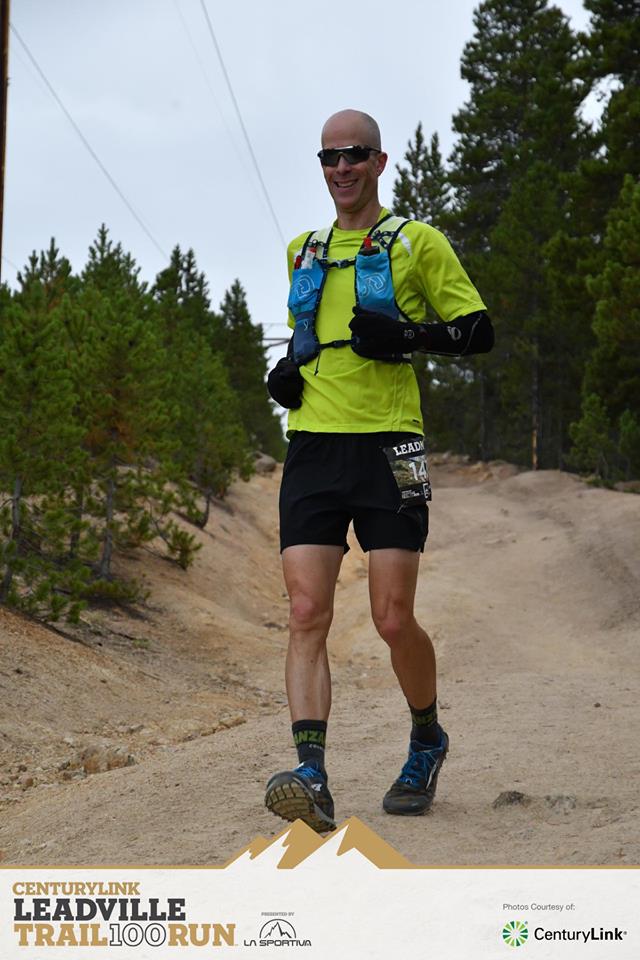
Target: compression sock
[
  {"x": 425, "y": 730},
  {"x": 309, "y": 737}
]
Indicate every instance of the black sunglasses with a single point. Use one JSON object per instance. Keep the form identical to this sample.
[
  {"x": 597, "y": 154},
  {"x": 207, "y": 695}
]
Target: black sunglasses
[{"x": 331, "y": 156}]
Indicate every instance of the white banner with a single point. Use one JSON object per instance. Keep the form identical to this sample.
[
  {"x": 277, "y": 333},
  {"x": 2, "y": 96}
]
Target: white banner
[{"x": 347, "y": 896}]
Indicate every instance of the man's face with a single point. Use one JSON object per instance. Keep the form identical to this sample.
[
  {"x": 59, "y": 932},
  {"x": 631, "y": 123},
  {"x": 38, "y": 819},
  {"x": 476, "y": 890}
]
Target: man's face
[{"x": 352, "y": 186}]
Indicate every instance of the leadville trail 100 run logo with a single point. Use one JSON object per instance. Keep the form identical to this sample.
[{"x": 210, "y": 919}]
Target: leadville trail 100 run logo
[
  {"x": 122, "y": 914},
  {"x": 515, "y": 933}
]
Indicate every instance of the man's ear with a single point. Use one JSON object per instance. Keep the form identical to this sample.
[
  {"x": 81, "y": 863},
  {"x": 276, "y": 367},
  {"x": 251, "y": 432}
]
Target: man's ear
[{"x": 381, "y": 162}]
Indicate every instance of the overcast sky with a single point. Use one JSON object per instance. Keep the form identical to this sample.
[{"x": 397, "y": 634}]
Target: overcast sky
[{"x": 142, "y": 80}]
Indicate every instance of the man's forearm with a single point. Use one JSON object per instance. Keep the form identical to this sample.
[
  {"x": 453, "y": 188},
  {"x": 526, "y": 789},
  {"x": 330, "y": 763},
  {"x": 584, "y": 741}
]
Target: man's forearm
[
  {"x": 376, "y": 336},
  {"x": 461, "y": 337}
]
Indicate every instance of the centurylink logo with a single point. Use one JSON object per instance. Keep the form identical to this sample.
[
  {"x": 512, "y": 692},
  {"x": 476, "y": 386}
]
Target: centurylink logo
[{"x": 515, "y": 933}]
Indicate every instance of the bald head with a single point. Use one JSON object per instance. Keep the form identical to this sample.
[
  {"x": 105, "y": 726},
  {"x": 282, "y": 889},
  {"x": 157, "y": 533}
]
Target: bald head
[{"x": 351, "y": 127}]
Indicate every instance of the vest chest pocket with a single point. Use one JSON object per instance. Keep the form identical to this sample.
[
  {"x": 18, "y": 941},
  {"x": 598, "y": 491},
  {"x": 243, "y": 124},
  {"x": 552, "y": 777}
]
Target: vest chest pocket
[
  {"x": 374, "y": 286},
  {"x": 304, "y": 296}
]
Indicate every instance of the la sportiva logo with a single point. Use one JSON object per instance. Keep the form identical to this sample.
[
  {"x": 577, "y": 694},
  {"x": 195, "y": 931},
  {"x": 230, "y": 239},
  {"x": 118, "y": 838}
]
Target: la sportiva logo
[
  {"x": 277, "y": 932},
  {"x": 515, "y": 933}
]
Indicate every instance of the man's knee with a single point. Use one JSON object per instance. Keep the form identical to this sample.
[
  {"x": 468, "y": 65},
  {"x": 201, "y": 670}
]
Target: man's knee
[
  {"x": 394, "y": 623},
  {"x": 309, "y": 613}
]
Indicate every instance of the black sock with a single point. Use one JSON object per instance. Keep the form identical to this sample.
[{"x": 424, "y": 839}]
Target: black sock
[
  {"x": 424, "y": 725},
  {"x": 309, "y": 737}
]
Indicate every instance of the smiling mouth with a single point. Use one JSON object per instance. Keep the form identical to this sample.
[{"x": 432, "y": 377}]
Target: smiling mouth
[{"x": 344, "y": 184}]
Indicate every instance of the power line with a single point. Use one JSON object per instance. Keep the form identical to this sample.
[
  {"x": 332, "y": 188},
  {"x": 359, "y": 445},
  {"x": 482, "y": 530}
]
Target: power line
[
  {"x": 10, "y": 262},
  {"x": 214, "y": 97},
  {"x": 88, "y": 146},
  {"x": 241, "y": 122},
  {"x": 238, "y": 150}
]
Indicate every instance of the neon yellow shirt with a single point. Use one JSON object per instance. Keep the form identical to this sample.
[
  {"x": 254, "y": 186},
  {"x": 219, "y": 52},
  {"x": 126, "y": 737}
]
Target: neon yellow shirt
[{"x": 345, "y": 393}]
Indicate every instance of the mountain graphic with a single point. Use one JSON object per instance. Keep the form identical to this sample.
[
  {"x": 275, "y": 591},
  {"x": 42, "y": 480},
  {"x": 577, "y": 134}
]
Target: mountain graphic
[
  {"x": 277, "y": 931},
  {"x": 299, "y": 843},
  {"x": 286, "y": 850},
  {"x": 252, "y": 849}
]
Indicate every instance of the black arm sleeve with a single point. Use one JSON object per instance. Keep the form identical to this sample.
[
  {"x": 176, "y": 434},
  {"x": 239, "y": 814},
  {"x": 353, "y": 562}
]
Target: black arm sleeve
[{"x": 461, "y": 337}]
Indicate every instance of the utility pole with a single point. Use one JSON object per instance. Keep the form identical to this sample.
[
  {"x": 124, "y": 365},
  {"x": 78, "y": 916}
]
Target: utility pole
[{"x": 4, "y": 80}]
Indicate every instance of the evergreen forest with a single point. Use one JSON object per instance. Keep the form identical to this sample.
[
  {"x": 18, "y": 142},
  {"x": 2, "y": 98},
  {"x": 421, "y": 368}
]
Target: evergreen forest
[
  {"x": 122, "y": 407},
  {"x": 543, "y": 209},
  {"x": 125, "y": 405}
]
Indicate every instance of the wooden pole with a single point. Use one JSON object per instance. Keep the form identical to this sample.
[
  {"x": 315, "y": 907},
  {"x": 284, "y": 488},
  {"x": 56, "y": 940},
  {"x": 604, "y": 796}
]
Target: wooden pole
[{"x": 4, "y": 80}]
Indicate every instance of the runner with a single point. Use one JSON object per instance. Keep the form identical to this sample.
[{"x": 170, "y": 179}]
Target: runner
[{"x": 358, "y": 296}]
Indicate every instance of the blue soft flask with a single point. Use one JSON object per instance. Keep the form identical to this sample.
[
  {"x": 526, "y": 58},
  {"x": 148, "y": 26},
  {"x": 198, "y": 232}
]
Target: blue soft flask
[
  {"x": 306, "y": 286},
  {"x": 374, "y": 285}
]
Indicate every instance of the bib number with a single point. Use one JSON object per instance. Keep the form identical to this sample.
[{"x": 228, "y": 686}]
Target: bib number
[{"x": 408, "y": 464}]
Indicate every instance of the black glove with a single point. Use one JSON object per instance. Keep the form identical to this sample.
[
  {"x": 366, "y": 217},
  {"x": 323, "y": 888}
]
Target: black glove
[
  {"x": 285, "y": 383},
  {"x": 378, "y": 337}
]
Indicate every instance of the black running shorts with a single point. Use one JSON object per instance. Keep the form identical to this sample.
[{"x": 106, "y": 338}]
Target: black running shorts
[{"x": 330, "y": 479}]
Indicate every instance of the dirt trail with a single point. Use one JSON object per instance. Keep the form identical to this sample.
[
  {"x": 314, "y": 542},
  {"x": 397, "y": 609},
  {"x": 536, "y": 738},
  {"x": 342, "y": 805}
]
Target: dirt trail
[{"x": 529, "y": 587}]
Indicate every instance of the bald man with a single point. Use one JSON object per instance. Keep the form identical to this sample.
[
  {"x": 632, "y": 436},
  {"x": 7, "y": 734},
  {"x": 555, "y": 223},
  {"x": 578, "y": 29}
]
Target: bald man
[{"x": 359, "y": 291}]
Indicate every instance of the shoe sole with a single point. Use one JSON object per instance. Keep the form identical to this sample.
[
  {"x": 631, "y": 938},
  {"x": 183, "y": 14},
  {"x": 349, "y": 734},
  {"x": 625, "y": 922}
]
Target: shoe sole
[
  {"x": 291, "y": 801},
  {"x": 429, "y": 793}
]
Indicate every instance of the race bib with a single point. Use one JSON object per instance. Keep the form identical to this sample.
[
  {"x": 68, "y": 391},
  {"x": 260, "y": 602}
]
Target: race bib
[{"x": 408, "y": 463}]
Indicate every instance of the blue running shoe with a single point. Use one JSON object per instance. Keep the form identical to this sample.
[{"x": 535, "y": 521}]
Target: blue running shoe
[
  {"x": 302, "y": 794},
  {"x": 415, "y": 788}
]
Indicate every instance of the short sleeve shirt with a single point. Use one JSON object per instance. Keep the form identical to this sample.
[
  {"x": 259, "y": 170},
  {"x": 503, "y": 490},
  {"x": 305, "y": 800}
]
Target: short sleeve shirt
[{"x": 345, "y": 393}]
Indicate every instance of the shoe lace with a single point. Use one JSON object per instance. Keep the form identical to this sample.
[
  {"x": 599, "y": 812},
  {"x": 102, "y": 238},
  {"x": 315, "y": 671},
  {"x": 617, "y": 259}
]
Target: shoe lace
[
  {"x": 418, "y": 767},
  {"x": 309, "y": 770}
]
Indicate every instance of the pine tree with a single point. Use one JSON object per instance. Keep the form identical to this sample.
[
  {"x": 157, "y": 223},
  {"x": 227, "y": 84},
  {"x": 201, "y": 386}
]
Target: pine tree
[
  {"x": 612, "y": 375},
  {"x": 39, "y": 452},
  {"x": 522, "y": 107},
  {"x": 210, "y": 442},
  {"x": 50, "y": 272},
  {"x": 613, "y": 53},
  {"x": 183, "y": 292},
  {"x": 421, "y": 190},
  {"x": 215, "y": 447},
  {"x": 124, "y": 412},
  {"x": 613, "y": 370},
  {"x": 610, "y": 55},
  {"x": 5, "y": 300},
  {"x": 240, "y": 343},
  {"x": 593, "y": 448},
  {"x": 519, "y": 133},
  {"x": 537, "y": 360},
  {"x": 629, "y": 444}
]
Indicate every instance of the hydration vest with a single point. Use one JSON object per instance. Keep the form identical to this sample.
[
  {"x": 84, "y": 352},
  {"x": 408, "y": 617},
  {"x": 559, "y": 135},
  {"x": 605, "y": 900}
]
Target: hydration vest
[{"x": 373, "y": 284}]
